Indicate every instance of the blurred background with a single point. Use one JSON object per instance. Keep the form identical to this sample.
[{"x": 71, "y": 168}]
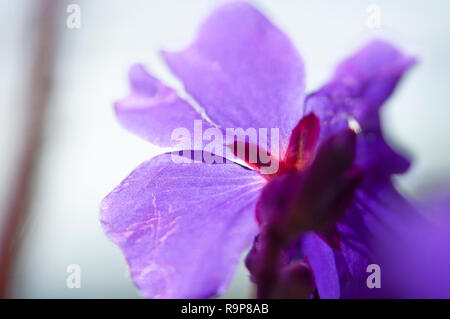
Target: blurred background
[{"x": 83, "y": 153}]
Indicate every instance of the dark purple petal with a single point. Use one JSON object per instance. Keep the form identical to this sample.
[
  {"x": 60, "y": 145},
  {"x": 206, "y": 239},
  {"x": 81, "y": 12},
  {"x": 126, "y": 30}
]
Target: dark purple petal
[
  {"x": 243, "y": 71},
  {"x": 183, "y": 226},
  {"x": 359, "y": 87},
  {"x": 376, "y": 214},
  {"x": 370, "y": 221},
  {"x": 153, "y": 110},
  {"x": 374, "y": 154},
  {"x": 415, "y": 260}
]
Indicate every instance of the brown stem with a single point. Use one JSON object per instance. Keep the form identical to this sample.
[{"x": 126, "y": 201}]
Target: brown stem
[{"x": 36, "y": 101}]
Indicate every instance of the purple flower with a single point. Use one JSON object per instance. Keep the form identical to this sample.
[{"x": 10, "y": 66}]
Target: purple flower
[{"x": 184, "y": 226}]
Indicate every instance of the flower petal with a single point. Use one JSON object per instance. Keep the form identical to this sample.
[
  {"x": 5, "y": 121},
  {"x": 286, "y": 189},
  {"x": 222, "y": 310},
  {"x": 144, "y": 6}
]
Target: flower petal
[
  {"x": 415, "y": 260},
  {"x": 375, "y": 219},
  {"x": 244, "y": 71},
  {"x": 183, "y": 226},
  {"x": 321, "y": 259},
  {"x": 360, "y": 85},
  {"x": 153, "y": 111}
]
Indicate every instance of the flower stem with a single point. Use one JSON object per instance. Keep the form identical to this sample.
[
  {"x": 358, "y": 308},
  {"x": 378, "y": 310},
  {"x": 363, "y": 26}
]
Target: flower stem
[{"x": 36, "y": 101}]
